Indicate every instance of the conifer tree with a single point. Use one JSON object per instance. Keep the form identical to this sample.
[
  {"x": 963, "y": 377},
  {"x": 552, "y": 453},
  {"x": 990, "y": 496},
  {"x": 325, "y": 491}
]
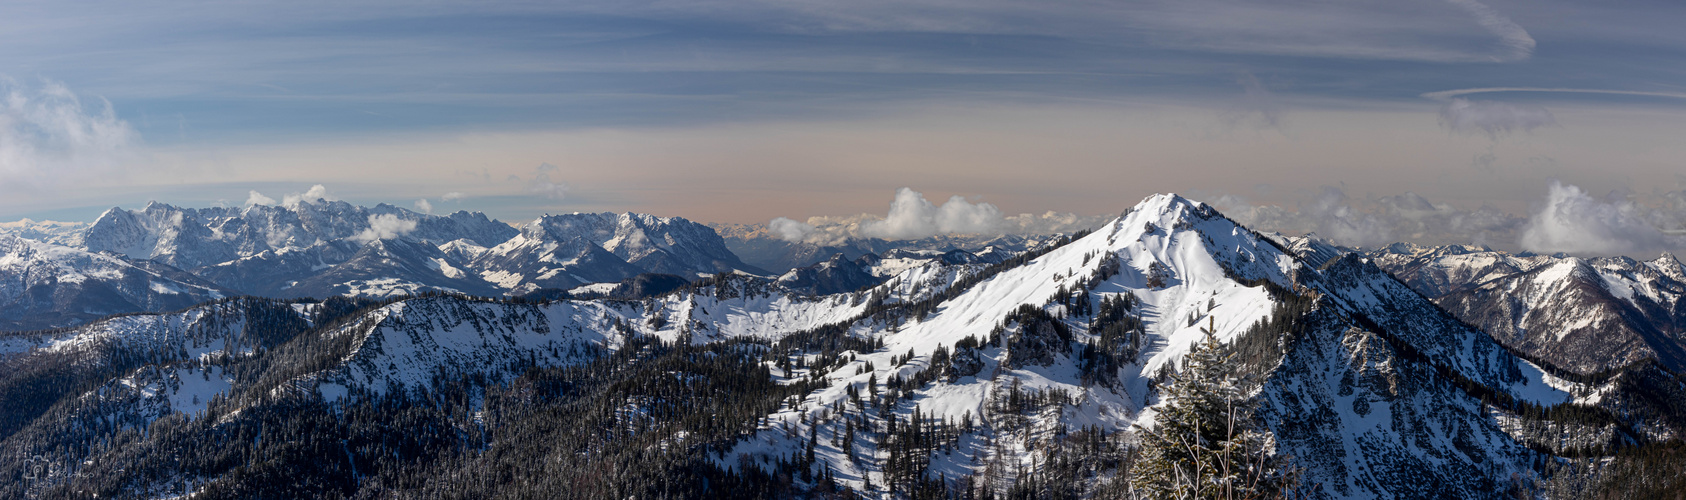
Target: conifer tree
[{"x": 1204, "y": 443}]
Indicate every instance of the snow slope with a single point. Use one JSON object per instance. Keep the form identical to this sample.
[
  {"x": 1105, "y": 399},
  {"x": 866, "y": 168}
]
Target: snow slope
[
  {"x": 1190, "y": 268},
  {"x": 1365, "y": 383}
]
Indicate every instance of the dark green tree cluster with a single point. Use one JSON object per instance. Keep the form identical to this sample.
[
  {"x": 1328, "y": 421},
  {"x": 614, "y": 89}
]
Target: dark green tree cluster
[
  {"x": 1119, "y": 329},
  {"x": 1204, "y": 443},
  {"x": 1656, "y": 470}
]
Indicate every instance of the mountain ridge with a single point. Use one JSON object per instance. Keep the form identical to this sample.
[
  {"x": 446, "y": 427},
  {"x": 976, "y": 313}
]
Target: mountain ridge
[{"x": 1372, "y": 388}]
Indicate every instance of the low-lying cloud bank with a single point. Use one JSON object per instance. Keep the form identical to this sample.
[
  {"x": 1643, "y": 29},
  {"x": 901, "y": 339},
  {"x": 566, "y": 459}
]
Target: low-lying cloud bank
[
  {"x": 1573, "y": 221},
  {"x": 911, "y": 216},
  {"x": 1377, "y": 221},
  {"x": 1567, "y": 220}
]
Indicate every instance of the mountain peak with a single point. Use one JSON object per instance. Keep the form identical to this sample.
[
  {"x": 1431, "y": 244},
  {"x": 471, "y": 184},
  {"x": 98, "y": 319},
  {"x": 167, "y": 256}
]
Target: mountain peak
[{"x": 1165, "y": 204}]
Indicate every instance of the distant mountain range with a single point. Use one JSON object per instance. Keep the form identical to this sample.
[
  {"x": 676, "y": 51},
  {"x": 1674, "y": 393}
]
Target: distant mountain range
[
  {"x": 756, "y": 245},
  {"x": 1588, "y": 315},
  {"x": 1036, "y": 373},
  {"x": 328, "y": 248},
  {"x": 44, "y": 285}
]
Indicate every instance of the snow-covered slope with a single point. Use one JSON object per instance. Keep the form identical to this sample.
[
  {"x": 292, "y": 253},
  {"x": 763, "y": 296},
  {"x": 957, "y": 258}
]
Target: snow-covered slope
[
  {"x": 840, "y": 274},
  {"x": 668, "y": 245},
  {"x": 1437, "y": 271},
  {"x": 264, "y": 249},
  {"x": 1188, "y": 268},
  {"x": 539, "y": 258},
  {"x": 1369, "y": 387},
  {"x": 191, "y": 238},
  {"x": 47, "y": 231},
  {"x": 834, "y": 275},
  {"x": 45, "y": 285},
  {"x": 1587, "y": 315},
  {"x": 306, "y": 247},
  {"x": 393, "y": 268}
]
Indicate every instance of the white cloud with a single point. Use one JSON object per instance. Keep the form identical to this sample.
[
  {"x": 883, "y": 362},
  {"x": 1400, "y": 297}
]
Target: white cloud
[
  {"x": 1517, "y": 44},
  {"x": 453, "y": 196},
  {"x": 1572, "y": 221},
  {"x": 1258, "y": 108},
  {"x": 1340, "y": 221},
  {"x": 1376, "y": 221},
  {"x": 790, "y": 230},
  {"x": 542, "y": 184},
  {"x": 1493, "y": 118},
  {"x": 256, "y": 198},
  {"x": 316, "y": 193},
  {"x": 48, "y": 138},
  {"x": 1569, "y": 220},
  {"x": 1339, "y": 29},
  {"x": 423, "y": 206},
  {"x": 385, "y": 227},
  {"x": 911, "y": 216}
]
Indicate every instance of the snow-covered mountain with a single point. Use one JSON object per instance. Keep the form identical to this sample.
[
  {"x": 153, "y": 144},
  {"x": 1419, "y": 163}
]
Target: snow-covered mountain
[
  {"x": 323, "y": 247},
  {"x": 1584, "y": 314},
  {"x": 834, "y": 275},
  {"x": 55, "y": 232},
  {"x": 668, "y": 245},
  {"x": 999, "y": 374},
  {"x": 192, "y": 238},
  {"x": 392, "y": 268},
  {"x": 840, "y": 274},
  {"x": 44, "y": 285}
]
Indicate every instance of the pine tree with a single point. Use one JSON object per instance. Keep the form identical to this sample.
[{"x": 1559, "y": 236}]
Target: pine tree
[{"x": 1204, "y": 443}]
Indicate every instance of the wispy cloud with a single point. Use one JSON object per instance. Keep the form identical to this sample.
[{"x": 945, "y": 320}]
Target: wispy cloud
[
  {"x": 542, "y": 184},
  {"x": 1258, "y": 107},
  {"x": 1493, "y": 118},
  {"x": 1351, "y": 30},
  {"x": 50, "y": 139},
  {"x": 1514, "y": 41},
  {"x": 1449, "y": 94}
]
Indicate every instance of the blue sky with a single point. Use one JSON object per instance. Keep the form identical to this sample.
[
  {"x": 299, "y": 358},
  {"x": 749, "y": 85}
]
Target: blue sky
[{"x": 742, "y": 111}]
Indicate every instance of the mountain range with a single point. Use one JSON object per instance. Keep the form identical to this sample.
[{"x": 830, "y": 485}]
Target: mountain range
[
  {"x": 1587, "y": 315},
  {"x": 323, "y": 248},
  {"x": 1033, "y": 375}
]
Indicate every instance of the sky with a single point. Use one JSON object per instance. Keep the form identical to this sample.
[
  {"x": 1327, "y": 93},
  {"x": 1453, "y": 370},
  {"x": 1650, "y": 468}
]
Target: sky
[{"x": 1544, "y": 126}]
